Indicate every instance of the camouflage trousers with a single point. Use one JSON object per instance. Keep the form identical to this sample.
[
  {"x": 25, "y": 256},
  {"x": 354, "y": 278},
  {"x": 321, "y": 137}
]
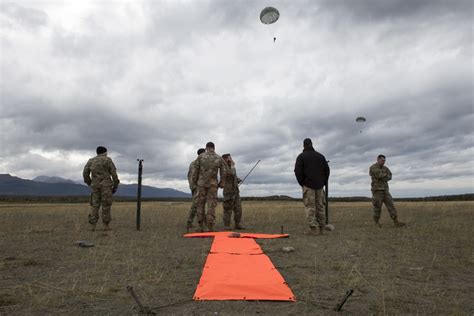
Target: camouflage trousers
[
  {"x": 101, "y": 195},
  {"x": 206, "y": 195},
  {"x": 232, "y": 203},
  {"x": 314, "y": 202},
  {"x": 383, "y": 197},
  {"x": 193, "y": 209}
]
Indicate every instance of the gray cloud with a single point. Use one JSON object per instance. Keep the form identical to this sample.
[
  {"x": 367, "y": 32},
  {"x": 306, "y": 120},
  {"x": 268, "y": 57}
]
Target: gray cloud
[{"x": 157, "y": 80}]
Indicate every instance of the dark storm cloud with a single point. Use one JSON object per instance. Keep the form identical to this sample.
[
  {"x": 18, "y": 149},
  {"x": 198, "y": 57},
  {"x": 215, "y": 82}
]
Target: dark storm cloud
[
  {"x": 157, "y": 80},
  {"x": 375, "y": 11}
]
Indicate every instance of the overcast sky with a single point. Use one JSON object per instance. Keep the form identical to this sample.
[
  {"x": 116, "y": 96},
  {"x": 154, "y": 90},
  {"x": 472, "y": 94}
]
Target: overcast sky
[{"x": 159, "y": 79}]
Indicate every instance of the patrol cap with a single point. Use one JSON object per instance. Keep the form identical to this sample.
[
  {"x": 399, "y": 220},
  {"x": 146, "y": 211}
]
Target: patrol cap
[
  {"x": 101, "y": 150},
  {"x": 200, "y": 151},
  {"x": 210, "y": 145},
  {"x": 307, "y": 142}
]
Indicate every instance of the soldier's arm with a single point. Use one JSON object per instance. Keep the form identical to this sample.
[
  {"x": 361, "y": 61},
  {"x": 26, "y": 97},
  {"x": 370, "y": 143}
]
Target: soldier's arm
[
  {"x": 190, "y": 175},
  {"x": 113, "y": 173},
  {"x": 327, "y": 171},
  {"x": 222, "y": 173},
  {"x": 388, "y": 175},
  {"x": 299, "y": 170},
  {"x": 195, "y": 172},
  {"x": 86, "y": 173}
]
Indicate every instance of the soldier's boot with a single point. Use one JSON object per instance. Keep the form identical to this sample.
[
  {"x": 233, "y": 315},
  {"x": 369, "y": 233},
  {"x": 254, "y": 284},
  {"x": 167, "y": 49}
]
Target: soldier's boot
[
  {"x": 92, "y": 227},
  {"x": 397, "y": 223},
  {"x": 313, "y": 231},
  {"x": 201, "y": 228},
  {"x": 238, "y": 226},
  {"x": 210, "y": 227},
  {"x": 227, "y": 225},
  {"x": 377, "y": 223},
  {"x": 107, "y": 227}
]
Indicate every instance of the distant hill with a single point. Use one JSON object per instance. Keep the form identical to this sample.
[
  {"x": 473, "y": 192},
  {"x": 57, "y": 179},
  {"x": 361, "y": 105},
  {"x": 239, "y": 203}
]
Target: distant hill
[
  {"x": 56, "y": 186},
  {"x": 46, "y": 179}
]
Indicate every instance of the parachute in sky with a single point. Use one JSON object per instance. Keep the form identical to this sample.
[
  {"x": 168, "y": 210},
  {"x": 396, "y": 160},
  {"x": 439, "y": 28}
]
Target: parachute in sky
[
  {"x": 361, "y": 120},
  {"x": 269, "y": 15}
]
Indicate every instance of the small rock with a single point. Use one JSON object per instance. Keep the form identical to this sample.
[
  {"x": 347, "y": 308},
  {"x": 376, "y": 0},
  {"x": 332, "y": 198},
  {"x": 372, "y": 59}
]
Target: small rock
[
  {"x": 330, "y": 227},
  {"x": 287, "y": 249},
  {"x": 416, "y": 268},
  {"x": 84, "y": 243}
]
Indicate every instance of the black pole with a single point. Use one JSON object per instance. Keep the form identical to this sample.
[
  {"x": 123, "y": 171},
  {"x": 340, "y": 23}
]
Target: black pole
[
  {"x": 327, "y": 200},
  {"x": 327, "y": 204},
  {"x": 139, "y": 192},
  {"x": 249, "y": 173}
]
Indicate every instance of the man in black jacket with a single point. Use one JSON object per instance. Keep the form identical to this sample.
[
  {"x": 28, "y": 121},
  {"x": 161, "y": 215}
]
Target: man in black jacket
[{"x": 312, "y": 173}]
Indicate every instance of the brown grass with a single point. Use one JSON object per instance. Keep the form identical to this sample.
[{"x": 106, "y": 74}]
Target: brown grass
[{"x": 425, "y": 268}]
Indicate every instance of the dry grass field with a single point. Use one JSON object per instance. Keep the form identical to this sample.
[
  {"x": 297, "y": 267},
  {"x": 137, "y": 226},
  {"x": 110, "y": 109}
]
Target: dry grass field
[{"x": 424, "y": 268}]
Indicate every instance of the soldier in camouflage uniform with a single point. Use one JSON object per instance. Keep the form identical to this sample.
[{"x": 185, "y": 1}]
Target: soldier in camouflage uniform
[
  {"x": 192, "y": 211},
  {"x": 380, "y": 176},
  {"x": 232, "y": 201},
  {"x": 205, "y": 172},
  {"x": 103, "y": 184}
]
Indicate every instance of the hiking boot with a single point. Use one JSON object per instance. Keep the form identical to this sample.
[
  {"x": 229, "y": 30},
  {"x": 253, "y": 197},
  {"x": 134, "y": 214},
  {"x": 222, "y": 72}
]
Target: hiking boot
[
  {"x": 397, "y": 223},
  {"x": 313, "y": 231},
  {"x": 239, "y": 227}
]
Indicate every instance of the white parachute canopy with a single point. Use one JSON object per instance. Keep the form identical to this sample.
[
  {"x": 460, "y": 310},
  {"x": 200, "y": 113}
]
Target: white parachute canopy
[{"x": 269, "y": 15}]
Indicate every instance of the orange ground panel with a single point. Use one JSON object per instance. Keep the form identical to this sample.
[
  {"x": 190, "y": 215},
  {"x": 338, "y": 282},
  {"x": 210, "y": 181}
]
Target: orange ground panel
[{"x": 237, "y": 269}]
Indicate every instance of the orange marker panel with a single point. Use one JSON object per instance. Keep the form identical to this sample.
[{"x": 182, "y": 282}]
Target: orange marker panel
[{"x": 237, "y": 269}]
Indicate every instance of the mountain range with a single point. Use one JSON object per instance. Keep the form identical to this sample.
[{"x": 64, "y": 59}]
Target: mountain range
[{"x": 57, "y": 186}]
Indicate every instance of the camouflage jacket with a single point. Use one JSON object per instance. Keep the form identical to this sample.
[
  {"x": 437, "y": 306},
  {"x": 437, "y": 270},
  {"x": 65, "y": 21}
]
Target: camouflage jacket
[
  {"x": 103, "y": 172},
  {"x": 190, "y": 174},
  {"x": 231, "y": 181},
  {"x": 380, "y": 177},
  {"x": 205, "y": 170}
]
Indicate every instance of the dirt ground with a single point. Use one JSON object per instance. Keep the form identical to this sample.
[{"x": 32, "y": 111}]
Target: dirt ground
[{"x": 424, "y": 268}]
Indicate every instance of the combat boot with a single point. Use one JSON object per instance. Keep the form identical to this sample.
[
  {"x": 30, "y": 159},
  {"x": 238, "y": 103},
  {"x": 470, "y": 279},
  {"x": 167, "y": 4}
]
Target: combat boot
[
  {"x": 227, "y": 225},
  {"x": 201, "y": 228},
  {"x": 377, "y": 222},
  {"x": 313, "y": 231},
  {"x": 397, "y": 223},
  {"x": 238, "y": 226},
  {"x": 210, "y": 227}
]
